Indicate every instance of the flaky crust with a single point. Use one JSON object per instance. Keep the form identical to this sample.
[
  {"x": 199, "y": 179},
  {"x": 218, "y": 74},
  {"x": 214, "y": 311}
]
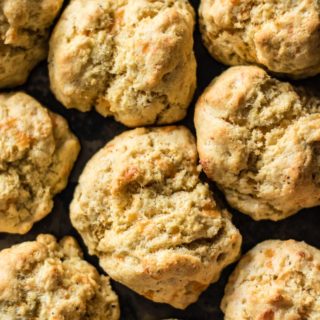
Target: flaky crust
[
  {"x": 24, "y": 26},
  {"x": 283, "y": 36},
  {"x": 131, "y": 59},
  {"x": 258, "y": 138},
  {"x": 276, "y": 280},
  {"x": 141, "y": 208},
  {"x": 47, "y": 280},
  {"x": 37, "y": 153}
]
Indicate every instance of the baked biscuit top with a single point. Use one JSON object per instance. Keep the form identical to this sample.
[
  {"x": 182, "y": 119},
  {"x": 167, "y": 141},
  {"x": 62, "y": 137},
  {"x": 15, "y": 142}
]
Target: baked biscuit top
[
  {"x": 129, "y": 59},
  {"x": 37, "y": 153},
  {"x": 276, "y": 280},
  {"x": 258, "y": 138},
  {"x": 142, "y": 209},
  {"x": 49, "y": 280},
  {"x": 283, "y": 36}
]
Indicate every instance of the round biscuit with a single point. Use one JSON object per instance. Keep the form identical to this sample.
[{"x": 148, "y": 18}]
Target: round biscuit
[
  {"x": 132, "y": 60},
  {"x": 47, "y": 280},
  {"x": 282, "y": 36},
  {"x": 37, "y": 153},
  {"x": 142, "y": 209},
  {"x": 276, "y": 280},
  {"x": 259, "y": 140}
]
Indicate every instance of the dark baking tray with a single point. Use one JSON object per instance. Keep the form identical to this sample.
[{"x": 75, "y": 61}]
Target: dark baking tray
[{"x": 94, "y": 131}]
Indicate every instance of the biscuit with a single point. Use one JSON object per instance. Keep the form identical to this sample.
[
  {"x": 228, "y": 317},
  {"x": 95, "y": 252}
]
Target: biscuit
[
  {"x": 47, "y": 280},
  {"x": 282, "y": 36},
  {"x": 276, "y": 280},
  {"x": 142, "y": 209},
  {"x": 132, "y": 59},
  {"x": 258, "y": 139},
  {"x": 37, "y": 153},
  {"x": 24, "y": 29}
]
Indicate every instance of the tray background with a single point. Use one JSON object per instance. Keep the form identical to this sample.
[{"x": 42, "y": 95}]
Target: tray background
[{"x": 94, "y": 131}]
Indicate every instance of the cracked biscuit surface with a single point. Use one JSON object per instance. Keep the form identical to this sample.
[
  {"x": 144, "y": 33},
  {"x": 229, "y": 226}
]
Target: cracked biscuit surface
[
  {"x": 258, "y": 139},
  {"x": 37, "y": 153},
  {"x": 276, "y": 280},
  {"x": 24, "y": 30},
  {"x": 49, "y": 280},
  {"x": 142, "y": 209},
  {"x": 283, "y": 36},
  {"x": 131, "y": 59}
]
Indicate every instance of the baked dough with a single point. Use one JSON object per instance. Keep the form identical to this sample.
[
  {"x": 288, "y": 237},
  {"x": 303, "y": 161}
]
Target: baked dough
[
  {"x": 24, "y": 29},
  {"x": 37, "y": 153},
  {"x": 47, "y": 280},
  {"x": 141, "y": 208},
  {"x": 276, "y": 280},
  {"x": 283, "y": 36},
  {"x": 131, "y": 59},
  {"x": 259, "y": 139}
]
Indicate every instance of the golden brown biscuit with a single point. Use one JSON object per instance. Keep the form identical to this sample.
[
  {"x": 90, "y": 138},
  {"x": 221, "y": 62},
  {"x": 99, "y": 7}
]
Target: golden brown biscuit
[
  {"x": 129, "y": 59},
  {"x": 282, "y": 36},
  {"x": 276, "y": 280},
  {"x": 258, "y": 138},
  {"x": 24, "y": 26},
  {"x": 37, "y": 153},
  {"x": 47, "y": 280},
  {"x": 141, "y": 208}
]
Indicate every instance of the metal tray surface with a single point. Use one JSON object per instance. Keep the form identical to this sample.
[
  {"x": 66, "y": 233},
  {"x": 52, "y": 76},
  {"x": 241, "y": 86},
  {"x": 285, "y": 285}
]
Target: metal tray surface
[{"x": 94, "y": 131}]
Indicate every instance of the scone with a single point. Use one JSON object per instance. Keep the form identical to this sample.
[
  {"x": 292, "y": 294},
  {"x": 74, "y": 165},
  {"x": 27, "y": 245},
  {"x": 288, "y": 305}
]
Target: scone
[
  {"x": 259, "y": 140},
  {"x": 283, "y": 36},
  {"x": 24, "y": 30},
  {"x": 141, "y": 208},
  {"x": 37, "y": 153},
  {"x": 129, "y": 59},
  {"x": 47, "y": 280},
  {"x": 276, "y": 280}
]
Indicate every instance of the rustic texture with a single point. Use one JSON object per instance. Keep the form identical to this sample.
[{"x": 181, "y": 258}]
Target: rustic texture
[
  {"x": 131, "y": 59},
  {"x": 141, "y": 208},
  {"x": 283, "y": 36},
  {"x": 258, "y": 138},
  {"x": 277, "y": 280},
  {"x": 94, "y": 132},
  {"x": 24, "y": 26},
  {"x": 37, "y": 153}
]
